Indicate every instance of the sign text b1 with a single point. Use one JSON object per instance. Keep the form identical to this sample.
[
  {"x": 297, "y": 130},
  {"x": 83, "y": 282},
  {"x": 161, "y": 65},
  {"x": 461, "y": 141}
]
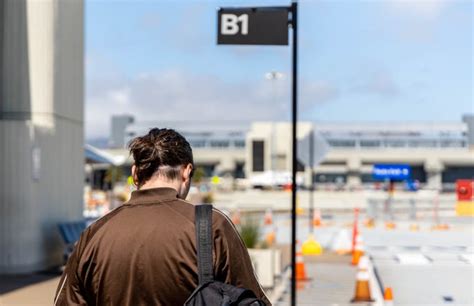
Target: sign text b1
[{"x": 252, "y": 26}]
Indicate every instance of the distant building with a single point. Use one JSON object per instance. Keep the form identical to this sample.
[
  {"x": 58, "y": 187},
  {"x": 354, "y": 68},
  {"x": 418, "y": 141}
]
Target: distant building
[
  {"x": 117, "y": 130},
  {"x": 218, "y": 147},
  {"x": 269, "y": 146},
  {"x": 438, "y": 153},
  {"x": 469, "y": 121},
  {"x": 395, "y": 135}
]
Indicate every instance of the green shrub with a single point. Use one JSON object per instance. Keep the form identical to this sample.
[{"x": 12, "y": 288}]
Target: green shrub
[
  {"x": 198, "y": 175},
  {"x": 113, "y": 174},
  {"x": 208, "y": 198},
  {"x": 250, "y": 233}
]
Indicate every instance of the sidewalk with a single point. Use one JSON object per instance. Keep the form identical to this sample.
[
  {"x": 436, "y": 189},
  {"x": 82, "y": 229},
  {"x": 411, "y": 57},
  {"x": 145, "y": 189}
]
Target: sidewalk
[
  {"x": 41, "y": 293},
  {"x": 332, "y": 282}
]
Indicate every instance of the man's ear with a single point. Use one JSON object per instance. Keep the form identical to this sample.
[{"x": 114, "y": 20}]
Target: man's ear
[
  {"x": 187, "y": 172},
  {"x": 134, "y": 175}
]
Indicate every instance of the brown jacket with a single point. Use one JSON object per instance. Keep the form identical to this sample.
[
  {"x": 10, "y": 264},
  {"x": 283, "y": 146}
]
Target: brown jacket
[{"x": 144, "y": 253}]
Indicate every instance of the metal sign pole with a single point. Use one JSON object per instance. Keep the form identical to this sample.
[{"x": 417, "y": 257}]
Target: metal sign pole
[
  {"x": 268, "y": 26},
  {"x": 294, "y": 23},
  {"x": 311, "y": 187}
]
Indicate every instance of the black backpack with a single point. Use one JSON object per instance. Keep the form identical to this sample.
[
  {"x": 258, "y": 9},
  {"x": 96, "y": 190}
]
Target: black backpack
[{"x": 211, "y": 292}]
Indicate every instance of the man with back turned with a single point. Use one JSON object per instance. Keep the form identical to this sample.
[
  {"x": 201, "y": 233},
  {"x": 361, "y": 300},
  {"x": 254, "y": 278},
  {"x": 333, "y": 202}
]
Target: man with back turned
[{"x": 144, "y": 252}]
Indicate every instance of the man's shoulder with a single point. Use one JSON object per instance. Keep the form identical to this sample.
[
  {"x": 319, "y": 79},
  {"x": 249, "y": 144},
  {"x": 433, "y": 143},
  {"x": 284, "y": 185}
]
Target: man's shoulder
[
  {"x": 223, "y": 225},
  {"x": 220, "y": 218},
  {"x": 99, "y": 223}
]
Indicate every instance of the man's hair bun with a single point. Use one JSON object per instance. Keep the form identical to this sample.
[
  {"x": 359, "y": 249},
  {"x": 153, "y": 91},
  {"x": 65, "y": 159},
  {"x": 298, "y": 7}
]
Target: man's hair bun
[{"x": 158, "y": 148}]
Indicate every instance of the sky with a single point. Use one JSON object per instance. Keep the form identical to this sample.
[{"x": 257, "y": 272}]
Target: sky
[{"x": 364, "y": 61}]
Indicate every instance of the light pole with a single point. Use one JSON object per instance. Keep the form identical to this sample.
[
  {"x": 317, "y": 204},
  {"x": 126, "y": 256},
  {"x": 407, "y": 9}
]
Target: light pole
[{"x": 273, "y": 77}]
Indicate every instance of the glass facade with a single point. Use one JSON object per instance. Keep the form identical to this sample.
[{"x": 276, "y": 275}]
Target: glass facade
[
  {"x": 369, "y": 136},
  {"x": 258, "y": 156}
]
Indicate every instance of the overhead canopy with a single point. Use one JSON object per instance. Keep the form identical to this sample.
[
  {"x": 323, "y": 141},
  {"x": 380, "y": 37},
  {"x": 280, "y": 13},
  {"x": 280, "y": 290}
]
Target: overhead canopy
[{"x": 95, "y": 155}]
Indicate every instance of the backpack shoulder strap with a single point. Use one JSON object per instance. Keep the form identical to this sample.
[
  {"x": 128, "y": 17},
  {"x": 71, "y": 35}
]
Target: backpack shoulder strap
[{"x": 203, "y": 225}]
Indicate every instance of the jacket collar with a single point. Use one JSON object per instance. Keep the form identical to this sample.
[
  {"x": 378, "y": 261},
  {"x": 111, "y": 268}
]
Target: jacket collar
[{"x": 153, "y": 195}]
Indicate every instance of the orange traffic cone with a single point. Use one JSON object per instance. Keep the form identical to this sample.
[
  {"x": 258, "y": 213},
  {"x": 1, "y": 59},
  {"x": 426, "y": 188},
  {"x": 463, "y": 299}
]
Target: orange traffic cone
[
  {"x": 270, "y": 237},
  {"x": 440, "y": 227},
  {"x": 358, "y": 250},
  {"x": 355, "y": 228},
  {"x": 370, "y": 223},
  {"x": 390, "y": 225},
  {"x": 362, "y": 288},
  {"x": 444, "y": 226},
  {"x": 388, "y": 296},
  {"x": 299, "y": 209},
  {"x": 236, "y": 217},
  {"x": 300, "y": 268},
  {"x": 317, "y": 217},
  {"x": 268, "y": 218}
]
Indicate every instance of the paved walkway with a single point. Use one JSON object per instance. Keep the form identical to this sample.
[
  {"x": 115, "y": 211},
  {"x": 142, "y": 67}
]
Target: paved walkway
[
  {"x": 41, "y": 293},
  {"x": 332, "y": 282},
  {"x": 429, "y": 284},
  {"x": 436, "y": 274}
]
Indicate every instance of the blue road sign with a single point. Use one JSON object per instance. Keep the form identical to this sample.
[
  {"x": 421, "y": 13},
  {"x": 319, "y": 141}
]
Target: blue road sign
[{"x": 391, "y": 172}]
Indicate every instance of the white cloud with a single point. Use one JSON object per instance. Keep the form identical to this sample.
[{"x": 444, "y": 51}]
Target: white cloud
[
  {"x": 379, "y": 82},
  {"x": 318, "y": 92},
  {"x": 175, "y": 95},
  {"x": 416, "y": 20},
  {"x": 119, "y": 96},
  {"x": 99, "y": 66},
  {"x": 425, "y": 9}
]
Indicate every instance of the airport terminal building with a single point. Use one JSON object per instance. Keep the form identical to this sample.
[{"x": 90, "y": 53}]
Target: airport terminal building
[{"x": 438, "y": 153}]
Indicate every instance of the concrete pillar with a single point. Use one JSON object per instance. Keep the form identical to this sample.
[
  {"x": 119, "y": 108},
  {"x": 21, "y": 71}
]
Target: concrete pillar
[
  {"x": 434, "y": 169},
  {"x": 41, "y": 123},
  {"x": 353, "y": 172}
]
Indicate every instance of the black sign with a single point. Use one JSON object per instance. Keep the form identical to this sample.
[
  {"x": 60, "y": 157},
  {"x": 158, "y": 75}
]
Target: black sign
[{"x": 252, "y": 26}]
